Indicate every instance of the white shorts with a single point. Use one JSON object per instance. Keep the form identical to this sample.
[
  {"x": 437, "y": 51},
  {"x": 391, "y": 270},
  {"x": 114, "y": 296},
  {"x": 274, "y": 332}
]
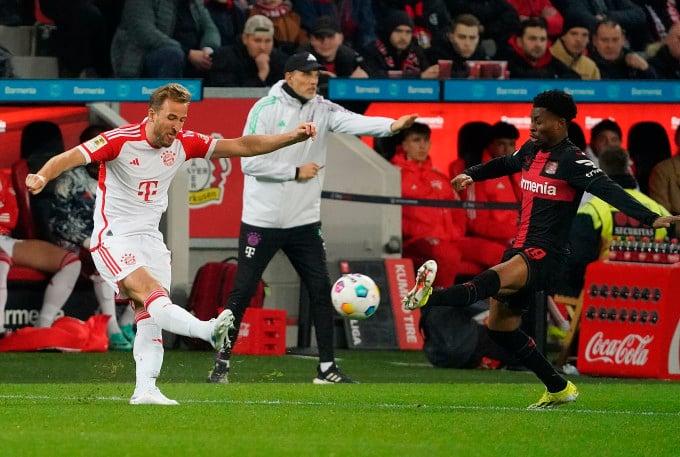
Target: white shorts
[
  {"x": 7, "y": 244},
  {"x": 117, "y": 257}
]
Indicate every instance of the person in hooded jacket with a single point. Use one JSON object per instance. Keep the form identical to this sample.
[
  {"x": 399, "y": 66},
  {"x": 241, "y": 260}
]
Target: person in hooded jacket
[{"x": 396, "y": 52}]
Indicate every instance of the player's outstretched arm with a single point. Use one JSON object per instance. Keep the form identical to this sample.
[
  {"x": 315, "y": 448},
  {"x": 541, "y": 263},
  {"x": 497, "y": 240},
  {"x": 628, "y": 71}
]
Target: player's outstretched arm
[
  {"x": 403, "y": 122},
  {"x": 252, "y": 145},
  {"x": 53, "y": 168},
  {"x": 461, "y": 181},
  {"x": 665, "y": 221}
]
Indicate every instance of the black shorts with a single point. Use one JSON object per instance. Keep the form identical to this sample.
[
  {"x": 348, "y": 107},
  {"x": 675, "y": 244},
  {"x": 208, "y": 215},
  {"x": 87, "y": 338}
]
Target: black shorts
[{"x": 543, "y": 268}]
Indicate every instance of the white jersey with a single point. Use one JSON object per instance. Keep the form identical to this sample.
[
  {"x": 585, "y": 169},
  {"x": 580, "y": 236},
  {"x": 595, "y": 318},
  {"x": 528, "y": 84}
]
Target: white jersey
[{"x": 134, "y": 178}]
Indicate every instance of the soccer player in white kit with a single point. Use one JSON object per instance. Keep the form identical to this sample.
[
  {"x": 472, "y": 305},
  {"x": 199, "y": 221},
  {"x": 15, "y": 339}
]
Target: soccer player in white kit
[{"x": 138, "y": 163}]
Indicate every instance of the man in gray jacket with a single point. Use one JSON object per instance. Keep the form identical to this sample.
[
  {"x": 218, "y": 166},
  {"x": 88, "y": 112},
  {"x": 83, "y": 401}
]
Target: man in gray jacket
[
  {"x": 282, "y": 201},
  {"x": 164, "y": 39}
]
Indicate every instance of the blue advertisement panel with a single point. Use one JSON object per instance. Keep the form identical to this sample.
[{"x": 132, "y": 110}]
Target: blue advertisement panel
[
  {"x": 384, "y": 89},
  {"x": 492, "y": 90},
  {"x": 88, "y": 90}
]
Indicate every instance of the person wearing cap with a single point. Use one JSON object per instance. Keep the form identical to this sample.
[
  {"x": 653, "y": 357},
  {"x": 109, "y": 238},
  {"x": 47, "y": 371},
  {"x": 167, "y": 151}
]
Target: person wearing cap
[
  {"x": 571, "y": 48},
  {"x": 338, "y": 60},
  {"x": 396, "y": 53},
  {"x": 164, "y": 39},
  {"x": 282, "y": 200},
  {"x": 252, "y": 62},
  {"x": 554, "y": 175}
]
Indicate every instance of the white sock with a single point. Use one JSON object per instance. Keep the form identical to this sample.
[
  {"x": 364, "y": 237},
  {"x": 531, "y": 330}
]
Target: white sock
[
  {"x": 325, "y": 366},
  {"x": 148, "y": 353},
  {"x": 58, "y": 290},
  {"x": 176, "y": 319},
  {"x": 106, "y": 297},
  {"x": 4, "y": 271}
]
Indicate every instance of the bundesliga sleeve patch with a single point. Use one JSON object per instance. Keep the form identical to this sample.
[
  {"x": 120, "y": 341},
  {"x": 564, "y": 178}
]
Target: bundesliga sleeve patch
[{"x": 95, "y": 143}]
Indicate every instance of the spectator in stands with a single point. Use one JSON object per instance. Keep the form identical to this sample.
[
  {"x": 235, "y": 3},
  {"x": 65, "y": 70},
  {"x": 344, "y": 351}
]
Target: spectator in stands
[
  {"x": 462, "y": 43},
  {"x": 252, "y": 62},
  {"x": 282, "y": 199},
  {"x": 666, "y": 62},
  {"x": 356, "y": 18},
  {"x": 540, "y": 8},
  {"x": 571, "y": 48},
  {"x": 164, "y": 39},
  {"x": 614, "y": 60},
  {"x": 597, "y": 222},
  {"x": 528, "y": 56},
  {"x": 499, "y": 19},
  {"x": 36, "y": 254},
  {"x": 605, "y": 133},
  {"x": 495, "y": 227},
  {"x": 664, "y": 181},
  {"x": 624, "y": 12},
  {"x": 396, "y": 52},
  {"x": 661, "y": 15},
  {"x": 71, "y": 223},
  {"x": 288, "y": 32},
  {"x": 430, "y": 232},
  {"x": 229, "y": 17},
  {"x": 430, "y": 17},
  {"x": 85, "y": 29},
  {"x": 339, "y": 60}
]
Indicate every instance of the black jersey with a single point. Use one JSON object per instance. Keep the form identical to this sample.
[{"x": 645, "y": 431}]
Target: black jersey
[{"x": 552, "y": 184}]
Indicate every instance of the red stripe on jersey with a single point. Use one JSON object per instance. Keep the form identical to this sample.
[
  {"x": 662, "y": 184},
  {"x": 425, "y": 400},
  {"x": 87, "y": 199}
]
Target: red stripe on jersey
[
  {"x": 102, "y": 186},
  {"x": 536, "y": 184},
  {"x": 109, "y": 261}
]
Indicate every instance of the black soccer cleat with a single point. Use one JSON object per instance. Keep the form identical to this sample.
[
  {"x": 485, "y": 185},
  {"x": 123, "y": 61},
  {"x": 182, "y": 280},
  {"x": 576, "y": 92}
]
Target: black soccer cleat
[{"x": 332, "y": 376}]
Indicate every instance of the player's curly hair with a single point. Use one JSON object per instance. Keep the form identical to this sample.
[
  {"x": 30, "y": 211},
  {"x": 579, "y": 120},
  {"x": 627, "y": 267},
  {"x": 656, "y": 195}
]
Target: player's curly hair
[{"x": 557, "y": 102}]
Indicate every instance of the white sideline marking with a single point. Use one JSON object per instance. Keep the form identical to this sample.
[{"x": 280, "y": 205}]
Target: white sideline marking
[{"x": 568, "y": 409}]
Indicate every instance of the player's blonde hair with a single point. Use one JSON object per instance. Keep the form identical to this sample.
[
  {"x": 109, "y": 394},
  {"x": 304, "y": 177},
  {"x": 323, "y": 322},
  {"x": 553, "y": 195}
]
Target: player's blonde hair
[{"x": 173, "y": 91}]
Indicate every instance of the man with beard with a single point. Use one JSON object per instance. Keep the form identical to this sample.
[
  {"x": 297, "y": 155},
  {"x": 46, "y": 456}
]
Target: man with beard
[{"x": 395, "y": 52}]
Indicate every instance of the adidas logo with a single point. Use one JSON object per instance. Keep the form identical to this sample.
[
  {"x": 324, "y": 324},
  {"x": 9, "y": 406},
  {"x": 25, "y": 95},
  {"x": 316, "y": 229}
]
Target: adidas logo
[{"x": 134, "y": 161}]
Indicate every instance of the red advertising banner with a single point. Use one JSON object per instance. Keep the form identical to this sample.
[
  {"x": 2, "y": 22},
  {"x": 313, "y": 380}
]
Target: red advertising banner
[
  {"x": 445, "y": 119},
  {"x": 400, "y": 279}
]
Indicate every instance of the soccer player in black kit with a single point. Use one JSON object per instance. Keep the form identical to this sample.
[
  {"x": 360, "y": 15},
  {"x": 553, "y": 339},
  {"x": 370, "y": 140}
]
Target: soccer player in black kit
[{"x": 555, "y": 173}]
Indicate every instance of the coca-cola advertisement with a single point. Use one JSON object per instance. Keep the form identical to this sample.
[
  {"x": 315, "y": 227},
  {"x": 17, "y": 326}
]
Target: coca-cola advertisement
[{"x": 630, "y": 324}]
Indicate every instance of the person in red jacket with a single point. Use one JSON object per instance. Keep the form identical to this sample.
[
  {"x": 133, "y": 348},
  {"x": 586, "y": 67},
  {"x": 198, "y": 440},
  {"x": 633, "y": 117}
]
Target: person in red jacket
[
  {"x": 496, "y": 227},
  {"x": 433, "y": 232},
  {"x": 37, "y": 254}
]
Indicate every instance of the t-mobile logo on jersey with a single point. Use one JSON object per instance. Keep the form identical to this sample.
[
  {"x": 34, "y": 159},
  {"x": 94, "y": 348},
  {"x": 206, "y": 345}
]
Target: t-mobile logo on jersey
[{"x": 147, "y": 189}]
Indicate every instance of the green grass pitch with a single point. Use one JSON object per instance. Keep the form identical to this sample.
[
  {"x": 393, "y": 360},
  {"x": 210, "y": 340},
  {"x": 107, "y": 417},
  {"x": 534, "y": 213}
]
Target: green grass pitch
[{"x": 54, "y": 404}]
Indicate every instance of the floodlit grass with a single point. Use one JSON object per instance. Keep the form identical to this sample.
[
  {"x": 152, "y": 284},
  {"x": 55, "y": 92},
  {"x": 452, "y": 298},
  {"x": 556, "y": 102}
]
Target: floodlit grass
[{"x": 54, "y": 404}]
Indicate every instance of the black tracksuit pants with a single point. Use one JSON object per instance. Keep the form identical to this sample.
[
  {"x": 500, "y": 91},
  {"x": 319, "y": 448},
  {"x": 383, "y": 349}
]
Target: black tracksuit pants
[{"x": 304, "y": 247}]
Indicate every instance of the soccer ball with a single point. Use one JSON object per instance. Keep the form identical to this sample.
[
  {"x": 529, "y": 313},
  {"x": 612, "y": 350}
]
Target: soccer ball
[{"x": 355, "y": 296}]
